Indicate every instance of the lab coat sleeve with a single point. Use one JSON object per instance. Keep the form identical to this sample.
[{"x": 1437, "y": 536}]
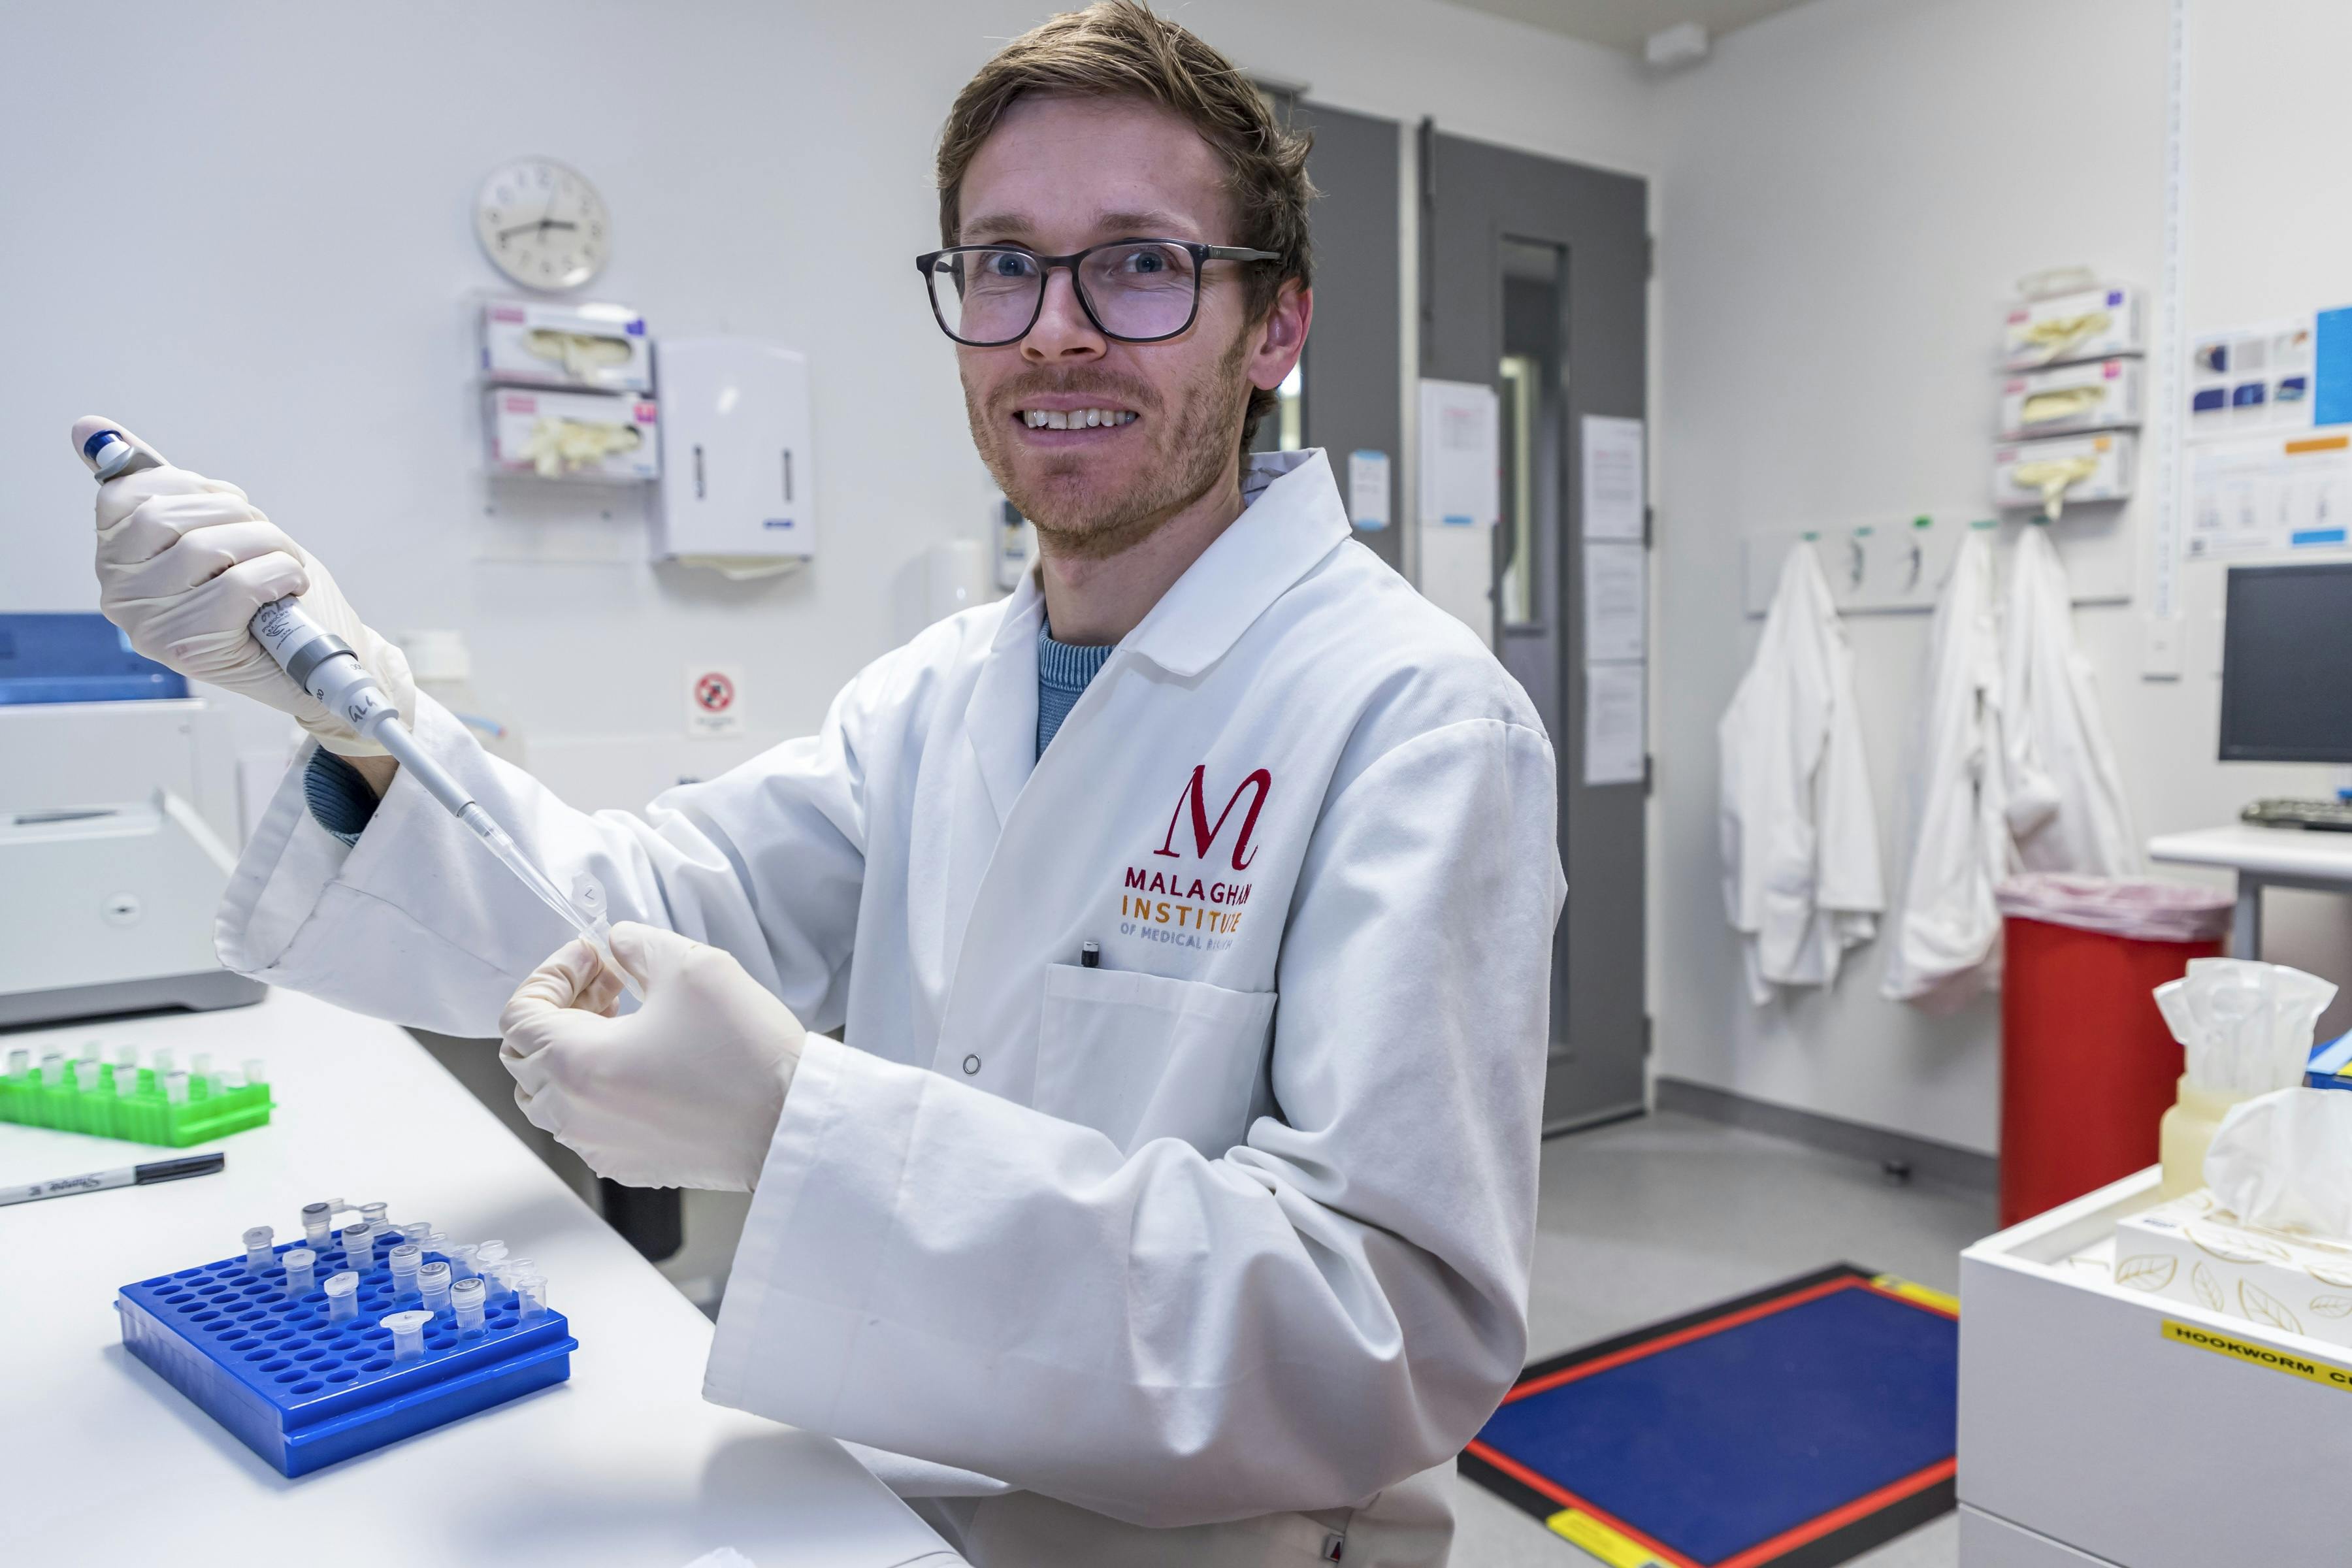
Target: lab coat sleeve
[
  {"x": 418, "y": 923},
  {"x": 1333, "y": 1306}
]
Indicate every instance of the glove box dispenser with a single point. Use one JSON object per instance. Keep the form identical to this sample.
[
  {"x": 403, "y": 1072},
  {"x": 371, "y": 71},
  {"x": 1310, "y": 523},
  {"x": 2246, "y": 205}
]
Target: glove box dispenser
[{"x": 738, "y": 483}]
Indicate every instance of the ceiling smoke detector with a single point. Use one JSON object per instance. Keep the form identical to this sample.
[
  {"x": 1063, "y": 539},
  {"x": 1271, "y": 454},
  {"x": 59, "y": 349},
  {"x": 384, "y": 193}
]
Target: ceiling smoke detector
[{"x": 1671, "y": 48}]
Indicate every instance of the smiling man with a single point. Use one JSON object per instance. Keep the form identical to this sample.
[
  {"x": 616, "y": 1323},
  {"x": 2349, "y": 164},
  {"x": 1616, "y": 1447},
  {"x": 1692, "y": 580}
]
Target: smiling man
[{"x": 1186, "y": 917}]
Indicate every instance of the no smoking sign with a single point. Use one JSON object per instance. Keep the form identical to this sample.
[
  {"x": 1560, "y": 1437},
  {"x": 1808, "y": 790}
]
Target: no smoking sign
[{"x": 714, "y": 700}]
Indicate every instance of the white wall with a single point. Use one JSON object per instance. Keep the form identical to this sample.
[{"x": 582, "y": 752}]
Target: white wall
[
  {"x": 244, "y": 230},
  {"x": 1848, "y": 193}
]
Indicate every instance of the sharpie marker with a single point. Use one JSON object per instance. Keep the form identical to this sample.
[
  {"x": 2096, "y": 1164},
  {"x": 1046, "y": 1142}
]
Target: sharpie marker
[{"x": 128, "y": 1176}]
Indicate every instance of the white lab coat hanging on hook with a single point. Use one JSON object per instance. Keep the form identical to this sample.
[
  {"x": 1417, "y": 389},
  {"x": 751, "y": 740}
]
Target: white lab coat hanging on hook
[
  {"x": 2066, "y": 807},
  {"x": 1801, "y": 875},
  {"x": 1946, "y": 945}
]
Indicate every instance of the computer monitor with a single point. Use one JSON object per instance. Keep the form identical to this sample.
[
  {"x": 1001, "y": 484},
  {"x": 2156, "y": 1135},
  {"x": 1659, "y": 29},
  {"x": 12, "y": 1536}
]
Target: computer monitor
[{"x": 2286, "y": 664}]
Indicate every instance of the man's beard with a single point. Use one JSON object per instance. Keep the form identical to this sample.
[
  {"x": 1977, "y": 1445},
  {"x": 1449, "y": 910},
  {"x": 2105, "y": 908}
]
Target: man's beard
[{"x": 1188, "y": 455}]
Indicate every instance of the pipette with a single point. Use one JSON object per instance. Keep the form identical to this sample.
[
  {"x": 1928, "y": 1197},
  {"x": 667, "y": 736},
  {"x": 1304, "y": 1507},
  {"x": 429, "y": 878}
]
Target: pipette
[{"x": 324, "y": 665}]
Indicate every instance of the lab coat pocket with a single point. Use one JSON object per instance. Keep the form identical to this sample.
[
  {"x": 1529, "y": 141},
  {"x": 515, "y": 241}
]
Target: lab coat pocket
[{"x": 1138, "y": 1056}]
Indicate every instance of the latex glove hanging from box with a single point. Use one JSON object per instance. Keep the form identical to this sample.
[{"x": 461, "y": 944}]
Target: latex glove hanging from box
[
  {"x": 185, "y": 563},
  {"x": 685, "y": 1091},
  {"x": 2283, "y": 1162}
]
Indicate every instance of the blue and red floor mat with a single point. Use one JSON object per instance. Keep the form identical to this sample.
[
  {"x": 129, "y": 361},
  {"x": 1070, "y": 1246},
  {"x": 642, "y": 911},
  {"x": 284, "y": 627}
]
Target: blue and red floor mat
[{"x": 1798, "y": 1426}]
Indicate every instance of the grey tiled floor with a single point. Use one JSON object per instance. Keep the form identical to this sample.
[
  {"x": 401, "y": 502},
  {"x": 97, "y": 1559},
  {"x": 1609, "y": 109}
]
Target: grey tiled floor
[{"x": 1650, "y": 1218}]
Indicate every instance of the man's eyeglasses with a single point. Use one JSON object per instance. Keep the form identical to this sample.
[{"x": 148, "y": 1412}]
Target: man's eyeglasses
[{"x": 1138, "y": 290}]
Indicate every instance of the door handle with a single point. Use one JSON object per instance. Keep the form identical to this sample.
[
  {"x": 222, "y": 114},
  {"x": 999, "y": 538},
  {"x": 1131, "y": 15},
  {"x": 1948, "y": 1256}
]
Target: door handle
[
  {"x": 698, "y": 489},
  {"x": 788, "y": 473}
]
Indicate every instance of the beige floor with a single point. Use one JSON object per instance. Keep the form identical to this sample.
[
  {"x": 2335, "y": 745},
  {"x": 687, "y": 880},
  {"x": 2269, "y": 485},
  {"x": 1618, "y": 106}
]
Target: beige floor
[{"x": 1639, "y": 1221}]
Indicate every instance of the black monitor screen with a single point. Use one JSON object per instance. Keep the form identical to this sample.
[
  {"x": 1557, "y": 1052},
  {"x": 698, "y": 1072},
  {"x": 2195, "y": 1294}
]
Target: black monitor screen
[{"x": 2286, "y": 664}]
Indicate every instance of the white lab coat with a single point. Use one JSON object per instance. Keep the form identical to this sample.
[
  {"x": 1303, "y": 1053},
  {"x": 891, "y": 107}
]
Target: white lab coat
[
  {"x": 1112, "y": 1248},
  {"x": 1800, "y": 879},
  {"x": 2066, "y": 807},
  {"x": 1946, "y": 945}
]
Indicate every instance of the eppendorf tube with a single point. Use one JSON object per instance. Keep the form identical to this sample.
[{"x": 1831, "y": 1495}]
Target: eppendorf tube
[
  {"x": 592, "y": 928},
  {"x": 461, "y": 1258},
  {"x": 404, "y": 1260},
  {"x": 487, "y": 1256},
  {"x": 300, "y": 1263},
  {"x": 466, "y": 1300},
  {"x": 359, "y": 1247},
  {"x": 531, "y": 1298},
  {"x": 375, "y": 1214},
  {"x": 433, "y": 1284},
  {"x": 258, "y": 1253},
  {"x": 317, "y": 1219},
  {"x": 407, "y": 1333},
  {"x": 126, "y": 1082},
  {"x": 176, "y": 1087},
  {"x": 343, "y": 1297}
]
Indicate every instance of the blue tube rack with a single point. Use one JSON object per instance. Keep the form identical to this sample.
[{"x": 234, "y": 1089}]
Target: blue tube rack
[{"x": 304, "y": 1394}]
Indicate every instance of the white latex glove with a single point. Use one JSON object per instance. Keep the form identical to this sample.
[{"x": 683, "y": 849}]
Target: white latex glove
[
  {"x": 184, "y": 562},
  {"x": 684, "y": 1092}
]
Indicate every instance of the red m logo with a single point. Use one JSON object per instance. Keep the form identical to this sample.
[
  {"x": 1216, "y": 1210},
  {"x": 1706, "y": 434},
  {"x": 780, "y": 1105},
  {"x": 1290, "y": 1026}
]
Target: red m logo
[{"x": 1203, "y": 833}]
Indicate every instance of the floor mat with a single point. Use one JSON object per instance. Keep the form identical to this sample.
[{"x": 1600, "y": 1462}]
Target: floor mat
[{"x": 1797, "y": 1427}]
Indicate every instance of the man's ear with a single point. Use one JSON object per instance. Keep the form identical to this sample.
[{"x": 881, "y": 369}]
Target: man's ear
[{"x": 1282, "y": 336}]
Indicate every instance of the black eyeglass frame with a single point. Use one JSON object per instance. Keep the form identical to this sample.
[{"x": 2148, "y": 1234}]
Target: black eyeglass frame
[{"x": 1202, "y": 255}]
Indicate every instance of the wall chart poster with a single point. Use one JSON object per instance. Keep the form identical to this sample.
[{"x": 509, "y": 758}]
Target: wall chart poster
[{"x": 2269, "y": 428}]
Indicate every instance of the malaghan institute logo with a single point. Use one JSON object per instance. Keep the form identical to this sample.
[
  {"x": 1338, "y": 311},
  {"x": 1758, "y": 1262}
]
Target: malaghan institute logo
[{"x": 1189, "y": 892}]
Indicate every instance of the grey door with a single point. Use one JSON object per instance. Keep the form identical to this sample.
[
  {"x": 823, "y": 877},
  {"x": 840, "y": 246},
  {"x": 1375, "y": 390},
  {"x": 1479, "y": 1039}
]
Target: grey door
[{"x": 1533, "y": 276}]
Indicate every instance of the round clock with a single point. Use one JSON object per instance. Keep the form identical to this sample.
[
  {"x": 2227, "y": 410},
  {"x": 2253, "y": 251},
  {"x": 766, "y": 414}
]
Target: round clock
[{"x": 542, "y": 224}]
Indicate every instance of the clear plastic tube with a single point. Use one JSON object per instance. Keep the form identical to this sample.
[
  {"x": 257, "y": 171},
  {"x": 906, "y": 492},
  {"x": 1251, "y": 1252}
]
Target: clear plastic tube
[
  {"x": 531, "y": 1298},
  {"x": 258, "y": 1251},
  {"x": 595, "y": 932},
  {"x": 300, "y": 1262},
  {"x": 375, "y": 1214},
  {"x": 405, "y": 1259},
  {"x": 126, "y": 1081},
  {"x": 176, "y": 1087},
  {"x": 90, "y": 1050},
  {"x": 407, "y": 1333},
  {"x": 465, "y": 1299},
  {"x": 359, "y": 1247},
  {"x": 317, "y": 1219},
  {"x": 433, "y": 1284},
  {"x": 343, "y": 1297}
]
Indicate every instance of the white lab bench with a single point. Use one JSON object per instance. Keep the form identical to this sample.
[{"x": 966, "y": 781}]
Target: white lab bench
[
  {"x": 625, "y": 1464},
  {"x": 2263, "y": 858},
  {"x": 2088, "y": 1438}
]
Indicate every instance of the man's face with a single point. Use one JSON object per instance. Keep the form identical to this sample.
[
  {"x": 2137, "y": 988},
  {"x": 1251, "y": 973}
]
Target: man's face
[{"x": 1057, "y": 176}]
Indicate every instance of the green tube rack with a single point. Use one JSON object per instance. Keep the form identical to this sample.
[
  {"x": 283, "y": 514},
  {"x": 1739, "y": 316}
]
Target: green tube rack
[{"x": 78, "y": 1097}]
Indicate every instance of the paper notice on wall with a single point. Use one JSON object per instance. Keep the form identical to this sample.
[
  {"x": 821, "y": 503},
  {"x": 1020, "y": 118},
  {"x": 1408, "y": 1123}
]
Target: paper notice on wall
[
  {"x": 1615, "y": 498},
  {"x": 1460, "y": 500},
  {"x": 1616, "y": 603},
  {"x": 1615, "y": 735},
  {"x": 714, "y": 700},
  {"x": 1368, "y": 489},
  {"x": 2257, "y": 496},
  {"x": 2287, "y": 376}
]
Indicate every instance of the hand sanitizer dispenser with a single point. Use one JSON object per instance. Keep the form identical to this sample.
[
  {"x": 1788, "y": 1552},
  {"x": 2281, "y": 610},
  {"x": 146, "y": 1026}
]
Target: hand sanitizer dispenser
[{"x": 739, "y": 484}]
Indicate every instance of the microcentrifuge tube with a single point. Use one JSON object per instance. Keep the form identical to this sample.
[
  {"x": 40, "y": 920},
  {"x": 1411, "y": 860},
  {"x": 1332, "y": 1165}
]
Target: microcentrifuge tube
[
  {"x": 200, "y": 1064},
  {"x": 163, "y": 1062},
  {"x": 215, "y": 1084},
  {"x": 126, "y": 1056},
  {"x": 176, "y": 1087},
  {"x": 466, "y": 1300},
  {"x": 407, "y": 1333},
  {"x": 316, "y": 1220},
  {"x": 487, "y": 1256},
  {"x": 53, "y": 1068},
  {"x": 433, "y": 1284},
  {"x": 531, "y": 1298},
  {"x": 258, "y": 1253},
  {"x": 461, "y": 1259},
  {"x": 90, "y": 1050},
  {"x": 405, "y": 1259},
  {"x": 126, "y": 1081},
  {"x": 343, "y": 1297},
  {"x": 375, "y": 1214},
  {"x": 434, "y": 1242},
  {"x": 300, "y": 1262},
  {"x": 359, "y": 1247},
  {"x": 20, "y": 1062},
  {"x": 253, "y": 1073}
]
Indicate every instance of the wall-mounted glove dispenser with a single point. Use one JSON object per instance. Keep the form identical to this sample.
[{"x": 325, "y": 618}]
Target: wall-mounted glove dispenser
[
  {"x": 2048, "y": 475},
  {"x": 572, "y": 434},
  {"x": 2103, "y": 394},
  {"x": 589, "y": 348},
  {"x": 2082, "y": 324},
  {"x": 739, "y": 482}
]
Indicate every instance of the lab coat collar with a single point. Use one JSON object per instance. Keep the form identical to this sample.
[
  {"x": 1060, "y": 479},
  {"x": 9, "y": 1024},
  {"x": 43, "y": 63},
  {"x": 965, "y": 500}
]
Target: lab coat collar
[{"x": 1296, "y": 519}]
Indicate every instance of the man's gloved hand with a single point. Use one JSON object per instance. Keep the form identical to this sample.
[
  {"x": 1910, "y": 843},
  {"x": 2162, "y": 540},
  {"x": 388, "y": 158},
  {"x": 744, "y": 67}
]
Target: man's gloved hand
[
  {"x": 684, "y": 1092},
  {"x": 184, "y": 562}
]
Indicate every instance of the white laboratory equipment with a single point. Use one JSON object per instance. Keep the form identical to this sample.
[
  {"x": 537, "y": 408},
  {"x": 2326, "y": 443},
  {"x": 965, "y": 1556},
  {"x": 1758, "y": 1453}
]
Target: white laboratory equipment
[{"x": 739, "y": 482}]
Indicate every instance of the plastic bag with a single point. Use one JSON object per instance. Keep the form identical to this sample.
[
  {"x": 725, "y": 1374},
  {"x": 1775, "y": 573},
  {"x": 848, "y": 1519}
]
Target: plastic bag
[
  {"x": 2283, "y": 1162},
  {"x": 2142, "y": 909}
]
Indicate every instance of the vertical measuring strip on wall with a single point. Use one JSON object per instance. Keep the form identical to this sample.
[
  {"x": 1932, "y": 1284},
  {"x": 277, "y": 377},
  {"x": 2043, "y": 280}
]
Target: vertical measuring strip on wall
[{"x": 2161, "y": 650}]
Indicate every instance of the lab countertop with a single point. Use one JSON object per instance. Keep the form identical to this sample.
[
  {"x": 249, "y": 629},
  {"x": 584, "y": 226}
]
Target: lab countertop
[
  {"x": 2274, "y": 852},
  {"x": 623, "y": 1464}
]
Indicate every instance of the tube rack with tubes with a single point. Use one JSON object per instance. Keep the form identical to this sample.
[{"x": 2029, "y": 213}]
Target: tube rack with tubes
[
  {"x": 270, "y": 1359},
  {"x": 123, "y": 1099}
]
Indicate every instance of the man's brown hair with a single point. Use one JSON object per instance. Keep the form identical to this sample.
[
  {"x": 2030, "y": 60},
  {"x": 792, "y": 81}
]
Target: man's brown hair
[{"x": 1117, "y": 49}]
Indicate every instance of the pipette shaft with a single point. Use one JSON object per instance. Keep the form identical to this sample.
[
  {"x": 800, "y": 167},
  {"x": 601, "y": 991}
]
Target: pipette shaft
[{"x": 324, "y": 665}]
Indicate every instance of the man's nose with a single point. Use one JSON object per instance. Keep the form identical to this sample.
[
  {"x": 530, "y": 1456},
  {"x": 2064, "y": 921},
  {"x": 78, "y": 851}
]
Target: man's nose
[{"x": 1062, "y": 333}]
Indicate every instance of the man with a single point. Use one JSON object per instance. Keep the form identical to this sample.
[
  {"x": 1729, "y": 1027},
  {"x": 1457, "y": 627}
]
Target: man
[{"x": 1101, "y": 1260}]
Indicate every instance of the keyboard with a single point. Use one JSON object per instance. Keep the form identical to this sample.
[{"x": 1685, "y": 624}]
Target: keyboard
[{"x": 2325, "y": 816}]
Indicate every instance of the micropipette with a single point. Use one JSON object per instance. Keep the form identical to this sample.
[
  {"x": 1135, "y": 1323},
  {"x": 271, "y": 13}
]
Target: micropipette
[{"x": 324, "y": 665}]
